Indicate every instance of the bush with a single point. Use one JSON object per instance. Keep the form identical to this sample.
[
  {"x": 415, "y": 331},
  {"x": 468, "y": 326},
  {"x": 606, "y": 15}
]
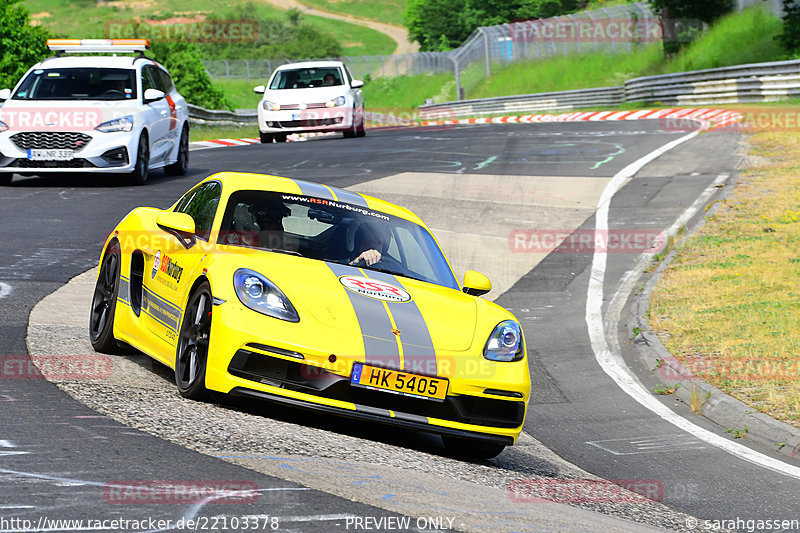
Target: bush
[
  {"x": 790, "y": 38},
  {"x": 183, "y": 60},
  {"x": 22, "y": 45}
]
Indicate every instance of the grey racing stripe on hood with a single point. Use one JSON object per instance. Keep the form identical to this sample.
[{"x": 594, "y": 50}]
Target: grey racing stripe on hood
[
  {"x": 419, "y": 356},
  {"x": 380, "y": 344}
]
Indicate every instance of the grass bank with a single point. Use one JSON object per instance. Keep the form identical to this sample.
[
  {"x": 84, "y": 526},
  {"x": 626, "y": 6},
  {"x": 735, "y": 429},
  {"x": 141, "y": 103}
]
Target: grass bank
[
  {"x": 387, "y": 11},
  {"x": 743, "y": 37},
  {"x": 729, "y": 304}
]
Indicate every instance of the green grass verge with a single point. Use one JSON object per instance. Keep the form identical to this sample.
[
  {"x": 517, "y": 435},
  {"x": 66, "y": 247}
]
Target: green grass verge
[
  {"x": 728, "y": 305},
  {"x": 207, "y": 133},
  {"x": 388, "y": 11},
  {"x": 87, "y": 19},
  {"x": 744, "y": 37},
  {"x": 356, "y": 40}
]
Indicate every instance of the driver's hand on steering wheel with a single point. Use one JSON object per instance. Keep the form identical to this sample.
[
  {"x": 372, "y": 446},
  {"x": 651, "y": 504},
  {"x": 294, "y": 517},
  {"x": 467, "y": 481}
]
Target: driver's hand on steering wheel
[{"x": 370, "y": 257}]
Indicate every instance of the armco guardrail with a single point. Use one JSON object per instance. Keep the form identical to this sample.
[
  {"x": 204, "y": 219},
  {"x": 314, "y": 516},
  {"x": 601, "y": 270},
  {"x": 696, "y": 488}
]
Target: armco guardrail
[
  {"x": 198, "y": 115},
  {"x": 758, "y": 82},
  {"x": 530, "y": 103}
]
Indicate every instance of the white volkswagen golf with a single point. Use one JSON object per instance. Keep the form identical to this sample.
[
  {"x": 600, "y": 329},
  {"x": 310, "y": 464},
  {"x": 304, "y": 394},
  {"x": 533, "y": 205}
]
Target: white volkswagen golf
[
  {"x": 315, "y": 96},
  {"x": 107, "y": 114}
]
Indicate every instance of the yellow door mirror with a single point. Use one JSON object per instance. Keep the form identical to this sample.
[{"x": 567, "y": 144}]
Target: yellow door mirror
[
  {"x": 476, "y": 283},
  {"x": 177, "y": 222}
]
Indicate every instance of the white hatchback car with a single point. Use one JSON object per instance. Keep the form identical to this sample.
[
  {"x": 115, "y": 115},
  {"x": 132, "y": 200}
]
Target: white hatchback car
[
  {"x": 107, "y": 114},
  {"x": 315, "y": 96}
]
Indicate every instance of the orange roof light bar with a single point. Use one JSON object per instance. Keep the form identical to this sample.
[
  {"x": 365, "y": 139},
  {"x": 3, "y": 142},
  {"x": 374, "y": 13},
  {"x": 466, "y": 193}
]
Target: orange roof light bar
[{"x": 82, "y": 46}]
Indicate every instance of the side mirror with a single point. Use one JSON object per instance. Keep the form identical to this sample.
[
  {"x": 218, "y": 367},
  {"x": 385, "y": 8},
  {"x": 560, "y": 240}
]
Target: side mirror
[
  {"x": 151, "y": 95},
  {"x": 476, "y": 283},
  {"x": 259, "y": 89},
  {"x": 5, "y": 94},
  {"x": 357, "y": 84},
  {"x": 181, "y": 224}
]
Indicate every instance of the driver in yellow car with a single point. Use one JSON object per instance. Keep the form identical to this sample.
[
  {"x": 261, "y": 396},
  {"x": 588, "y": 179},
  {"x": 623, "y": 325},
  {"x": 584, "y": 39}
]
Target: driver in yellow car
[{"x": 372, "y": 240}]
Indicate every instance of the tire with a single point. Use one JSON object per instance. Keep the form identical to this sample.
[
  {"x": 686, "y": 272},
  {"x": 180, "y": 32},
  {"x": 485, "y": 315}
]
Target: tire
[
  {"x": 280, "y": 137},
  {"x": 5, "y": 179},
  {"x": 104, "y": 303},
  {"x": 179, "y": 167},
  {"x": 361, "y": 131},
  {"x": 472, "y": 449},
  {"x": 191, "y": 355},
  {"x": 142, "y": 169},
  {"x": 353, "y": 131},
  {"x": 266, "y": 138}
]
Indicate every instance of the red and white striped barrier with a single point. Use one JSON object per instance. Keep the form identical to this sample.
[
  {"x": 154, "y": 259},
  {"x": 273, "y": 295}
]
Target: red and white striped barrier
[{"x": 677, "y": 119}]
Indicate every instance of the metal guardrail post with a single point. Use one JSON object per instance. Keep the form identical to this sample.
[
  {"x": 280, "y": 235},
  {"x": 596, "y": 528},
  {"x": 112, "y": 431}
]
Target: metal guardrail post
[
  {"x": 486, "y": 50},
  {"x": 227, "y": 69}
]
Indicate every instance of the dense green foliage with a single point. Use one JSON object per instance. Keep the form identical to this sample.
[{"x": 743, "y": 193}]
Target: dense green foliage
[
  {"x": 790, "y": 37},
  {"x": 21, "y": 45},
  {"x": 184, "y": 63},
  {"x": 287, "y": 37},
  {"x": 682, "y": 19},
  {"x": 445, "y": 24},
  {"x": 705, "y": 11}
]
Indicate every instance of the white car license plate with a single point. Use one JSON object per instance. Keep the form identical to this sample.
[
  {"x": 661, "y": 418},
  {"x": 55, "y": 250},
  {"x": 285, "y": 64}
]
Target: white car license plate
[{"x": 50, "y": 155}]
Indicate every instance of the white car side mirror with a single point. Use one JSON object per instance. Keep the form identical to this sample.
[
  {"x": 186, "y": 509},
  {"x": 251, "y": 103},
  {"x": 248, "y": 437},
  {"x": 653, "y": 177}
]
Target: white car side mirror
[
  {"x": 259, "y": 89},
  {"x": 356, "y": 84},
  {"x": 151, "y": 95},
  {"x": 5, "y": 94}
]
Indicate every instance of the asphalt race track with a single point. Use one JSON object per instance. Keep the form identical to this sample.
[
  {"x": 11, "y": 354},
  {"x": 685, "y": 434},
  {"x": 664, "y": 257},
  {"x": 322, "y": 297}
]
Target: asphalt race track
[{"x": 474, "y": 186}]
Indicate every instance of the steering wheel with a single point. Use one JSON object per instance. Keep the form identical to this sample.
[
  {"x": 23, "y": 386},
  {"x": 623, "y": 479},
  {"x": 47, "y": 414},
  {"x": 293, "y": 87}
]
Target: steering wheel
[{"x": 113, "y": 92}]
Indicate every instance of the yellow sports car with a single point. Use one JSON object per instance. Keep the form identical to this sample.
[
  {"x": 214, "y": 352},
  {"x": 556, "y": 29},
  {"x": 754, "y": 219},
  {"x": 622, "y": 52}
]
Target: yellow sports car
[{"x": 316, "y": 297}]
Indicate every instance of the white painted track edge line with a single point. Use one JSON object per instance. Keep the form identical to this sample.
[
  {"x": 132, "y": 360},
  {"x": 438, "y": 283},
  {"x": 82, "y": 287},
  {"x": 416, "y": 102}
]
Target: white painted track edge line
[{"x": 612, "y": 362}]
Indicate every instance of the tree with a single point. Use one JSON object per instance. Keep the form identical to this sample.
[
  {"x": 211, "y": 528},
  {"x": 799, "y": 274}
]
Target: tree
[
  {"x": 681, "y": 20},
  {"x": 22, "y": 45},
  {"x": 445, "y": 24},
  {"x": 185, "y": 65},
  {"x": 790, "y": 38}
]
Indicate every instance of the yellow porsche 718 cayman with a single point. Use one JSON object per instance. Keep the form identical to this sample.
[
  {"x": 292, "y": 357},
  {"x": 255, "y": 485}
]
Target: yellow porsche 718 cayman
[{"x": 298, "y": 293}]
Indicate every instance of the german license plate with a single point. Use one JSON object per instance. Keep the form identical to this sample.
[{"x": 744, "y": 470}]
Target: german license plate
[
  {"x": 50, "y": 155},
  {"x": 399, "y": 382}
]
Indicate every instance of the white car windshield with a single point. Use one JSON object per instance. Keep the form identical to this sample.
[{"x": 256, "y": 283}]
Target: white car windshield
[
  {"x": 302, "y": 78},
  {"x": 78, "y": 84},
  {"x": 332, "y": 231}
]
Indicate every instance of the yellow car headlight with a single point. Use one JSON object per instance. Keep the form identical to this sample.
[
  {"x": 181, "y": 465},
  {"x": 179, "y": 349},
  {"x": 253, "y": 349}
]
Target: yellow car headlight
[
  {"x": 258, "y": 293},
  {"x": 505, "y": 342}
]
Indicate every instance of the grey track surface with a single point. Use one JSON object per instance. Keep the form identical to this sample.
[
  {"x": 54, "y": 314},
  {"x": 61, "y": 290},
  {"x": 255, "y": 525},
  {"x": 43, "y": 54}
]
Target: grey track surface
[{"x": 54, "y": 227}]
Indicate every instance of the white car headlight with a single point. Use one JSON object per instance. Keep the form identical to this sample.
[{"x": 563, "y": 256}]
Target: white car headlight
[
  {"x": 3, "y": 126},
  {"x": 505, "y": 342},
  {"x": 261, "y": 295},
  {"x": 336, "y": 102},
  {"x": 118, "y": 124},
  {"x": 271, "y": 106}
]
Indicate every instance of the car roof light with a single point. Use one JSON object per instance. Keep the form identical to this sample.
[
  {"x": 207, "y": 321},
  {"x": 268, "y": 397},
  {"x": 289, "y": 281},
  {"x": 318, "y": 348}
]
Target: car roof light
[{"x": 83, "y": 46}]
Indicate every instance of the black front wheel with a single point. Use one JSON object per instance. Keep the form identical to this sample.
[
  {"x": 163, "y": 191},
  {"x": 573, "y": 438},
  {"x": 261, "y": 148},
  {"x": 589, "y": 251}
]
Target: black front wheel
[
  {"x": 266, "y": 138},
  {"x": 193, "y": 341},
  {"x": 179, "y": 167},
  {"x": 104, "y": 302},
  {"x": 5, "y": 179},
  {"x": 142, "y": 168}
]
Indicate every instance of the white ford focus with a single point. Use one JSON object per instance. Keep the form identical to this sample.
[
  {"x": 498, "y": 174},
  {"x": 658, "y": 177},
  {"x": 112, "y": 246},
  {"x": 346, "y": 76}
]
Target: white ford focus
[
  {"x": 315, "y": 96},
  {"x": 108, "y": 114}
]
